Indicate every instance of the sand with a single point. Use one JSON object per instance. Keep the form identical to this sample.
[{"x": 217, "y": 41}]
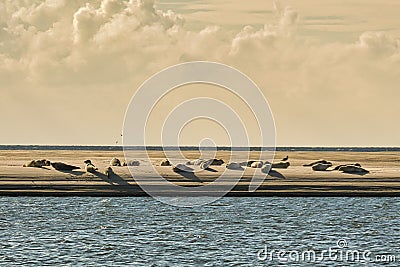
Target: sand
[{"x": 15, "y": 180}]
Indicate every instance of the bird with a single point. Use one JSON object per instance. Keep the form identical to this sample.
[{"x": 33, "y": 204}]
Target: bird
[
  {"x": 89, "y": 166},
  {"x": 59, "y": 166},
  {"x": 285, "y": 158}
]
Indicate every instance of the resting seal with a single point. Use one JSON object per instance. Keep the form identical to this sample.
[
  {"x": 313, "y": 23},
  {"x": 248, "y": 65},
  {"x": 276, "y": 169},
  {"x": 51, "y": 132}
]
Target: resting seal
[
  {"x": 339, "y": 166},
  {"x": 353, "y": 169},
  {"x": 109, "y": 172},
  {"x": 131, "y": 163},
  {"x": 234, "y": 166},
  {"x": 59, "y": 166},
  {"x": 195, "y": 162},
  {"x": 89, "y": 166},
  {"x": 217, "y": 162},
  {"x": 256, "y": 164},
  {"x": 321, "y": 167},
  {"x": 181, "y": 168},
  {"x": 115, "y": 162},
  {"x": 317, "y": 162},
  {"x": 165, "y": 162},
  {"x": 280, "y": 165},
  {"x": 37, "y": 163}
]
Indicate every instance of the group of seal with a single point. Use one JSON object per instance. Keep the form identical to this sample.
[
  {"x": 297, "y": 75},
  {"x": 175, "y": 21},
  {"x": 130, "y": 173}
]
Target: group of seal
[
  {"x": 323, "y": 165},
  {"x": 56, "y": 165},
  {"x": 117, "y": 162},
  {"x": 204, "y": 164},
  {"x": 320, "y": 165}
]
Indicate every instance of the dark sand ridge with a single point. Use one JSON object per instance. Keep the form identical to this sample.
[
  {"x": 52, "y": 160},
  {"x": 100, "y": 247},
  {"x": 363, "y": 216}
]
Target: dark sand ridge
[{"x": 383, "y": 179}]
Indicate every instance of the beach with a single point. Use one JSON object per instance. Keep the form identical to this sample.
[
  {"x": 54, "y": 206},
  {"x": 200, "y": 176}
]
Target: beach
[{"x": 383, "y": 178}]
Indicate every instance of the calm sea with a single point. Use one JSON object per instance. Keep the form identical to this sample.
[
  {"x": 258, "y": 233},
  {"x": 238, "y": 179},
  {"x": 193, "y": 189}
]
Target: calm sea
[{"x": 80, "y": 231}]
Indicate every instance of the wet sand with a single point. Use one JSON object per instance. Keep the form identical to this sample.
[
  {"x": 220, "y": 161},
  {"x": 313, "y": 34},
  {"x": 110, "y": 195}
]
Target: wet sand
[{"x": 15, "y": 180}]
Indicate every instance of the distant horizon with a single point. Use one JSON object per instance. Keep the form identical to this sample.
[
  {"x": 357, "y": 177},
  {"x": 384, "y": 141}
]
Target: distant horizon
[{"x": 282, "y": 148}]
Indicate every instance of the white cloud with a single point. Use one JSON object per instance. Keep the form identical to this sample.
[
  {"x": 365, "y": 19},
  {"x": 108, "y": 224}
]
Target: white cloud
[{"x": 53, "y": 51}]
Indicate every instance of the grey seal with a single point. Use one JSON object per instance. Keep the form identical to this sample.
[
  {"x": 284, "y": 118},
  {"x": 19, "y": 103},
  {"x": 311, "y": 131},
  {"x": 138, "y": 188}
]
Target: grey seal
[
  {"x": 115, "y": 162},
  {"x": 59, "y": 166},
  {"x": 234, "y": 166},
  {"x": 280, "y": 165},
  {"x": 322, "y": 161},
  {"x": 165, "y": 162},
  {"x": 89, "y": 166}
]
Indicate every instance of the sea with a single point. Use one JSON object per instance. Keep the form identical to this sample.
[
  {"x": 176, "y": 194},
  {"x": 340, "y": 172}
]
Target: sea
[
  {"x": 141, "y": 231},
  {"x": 103, "y": 231}
]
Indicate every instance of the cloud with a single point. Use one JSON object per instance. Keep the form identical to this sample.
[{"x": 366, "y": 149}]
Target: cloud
[{"x": 53, "y": 51}]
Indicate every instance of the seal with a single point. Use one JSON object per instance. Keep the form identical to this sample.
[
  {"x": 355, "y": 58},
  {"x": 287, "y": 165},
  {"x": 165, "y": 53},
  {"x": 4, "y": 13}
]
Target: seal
[
  {"x": 352, "y": 169},
  {"x": 131, "y": 163},
  {"x": 234, "y": 166},
  {"x": 339, "y": 166},
  {"x": 195, "y": 162},
  {"x": 59, "y": 166},
  {"x": 37, "y": 163},
  {"x": 115, "y": 162},
  {"x": 165, "y": 162},
  {"x": 205, "y": 164},
  {"x": 257, "y": 164},
  {"x": 217, "y": 162},
  {"x": 89, "y": 166},
  {"x": 321, "y": 167},
  {"x": 108, "y": 172},
  {"x": 280, "y": 165},
  {"x": 247, "y": 163},
  {"x": 181, "y": 168},
  {"x": 322, "y": 161}
]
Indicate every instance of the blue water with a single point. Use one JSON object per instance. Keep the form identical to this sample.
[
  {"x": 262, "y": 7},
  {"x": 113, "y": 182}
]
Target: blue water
[{"x": 88, "y": 231}]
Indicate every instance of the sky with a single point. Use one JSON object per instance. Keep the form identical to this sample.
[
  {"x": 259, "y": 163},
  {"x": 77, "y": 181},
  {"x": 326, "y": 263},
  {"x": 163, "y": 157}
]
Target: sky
[{"x": 329, "y": 69}]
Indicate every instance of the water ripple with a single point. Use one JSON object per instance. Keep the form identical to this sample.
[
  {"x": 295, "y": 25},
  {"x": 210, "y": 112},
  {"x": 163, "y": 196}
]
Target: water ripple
[{"x": 140, "y": 231}]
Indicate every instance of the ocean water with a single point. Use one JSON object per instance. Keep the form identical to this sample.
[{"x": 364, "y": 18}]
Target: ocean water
[{"x": 88, "y": 231}]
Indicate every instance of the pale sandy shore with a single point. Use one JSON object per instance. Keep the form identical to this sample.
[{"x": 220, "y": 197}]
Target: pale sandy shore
[{"x": 15, "y": 180}]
